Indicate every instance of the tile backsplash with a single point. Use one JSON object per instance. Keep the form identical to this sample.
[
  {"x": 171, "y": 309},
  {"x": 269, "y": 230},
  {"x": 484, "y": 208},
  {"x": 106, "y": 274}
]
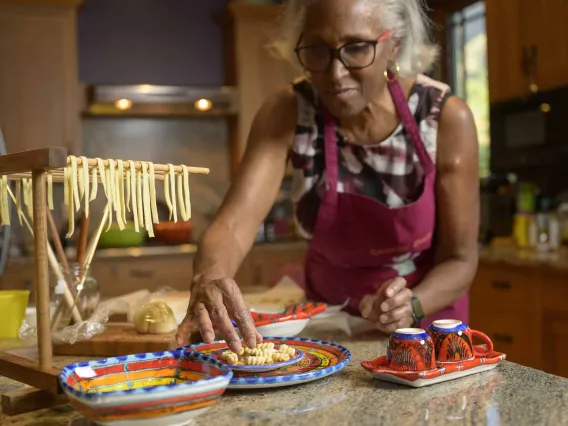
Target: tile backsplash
[{"x": 194, "y": 142}]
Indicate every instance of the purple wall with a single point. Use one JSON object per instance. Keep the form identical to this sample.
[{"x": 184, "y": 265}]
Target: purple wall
[{"x": 175, "y": 42}]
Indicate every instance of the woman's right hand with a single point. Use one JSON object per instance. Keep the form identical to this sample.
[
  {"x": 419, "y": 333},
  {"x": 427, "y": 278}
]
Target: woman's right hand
[{"x": 215, "y": 302}]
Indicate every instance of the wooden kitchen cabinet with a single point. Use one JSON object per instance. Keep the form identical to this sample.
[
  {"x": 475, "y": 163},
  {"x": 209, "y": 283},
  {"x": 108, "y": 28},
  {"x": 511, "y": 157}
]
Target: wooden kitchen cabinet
[
  {"x": 527, "y": 47},
  {"x": 552, "y": 62},
  {"x": 524, "y": 310},
  {"x": 39, "y": 88},
  {"x": 253, "y": 68},
  {"x": 504, "y": 305}
]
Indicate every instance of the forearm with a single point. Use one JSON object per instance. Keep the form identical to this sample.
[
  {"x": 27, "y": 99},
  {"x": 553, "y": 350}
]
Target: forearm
[
  {"x": 220, "y": 253},
  {"x": 445, "y": 283}
]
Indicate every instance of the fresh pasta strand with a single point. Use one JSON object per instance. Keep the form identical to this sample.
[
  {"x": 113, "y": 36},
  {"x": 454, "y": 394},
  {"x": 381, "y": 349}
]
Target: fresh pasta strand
[
  {"x": 182, "y": 210},
  {"x": 152, "y": 177},
  {"x": 4, "y": 200},
  {"x": 186, "y": 191},
  {"x": 146, "y": 199},
  {"x": 110, "y": 197},
  {"x": 120, "y": 192},
  {"x": 172, "y": 180},
  {"x": 133, "y": 182},
  {"x": 102, "y": 174},
  {"x": 95, "y": 182},
  {"x": 167, "y": 193},
  {"x": 28, "y": 199},
  {"x": 127, "y": 177},
  {"x": 114, "y": 189},
  {"x": 73, "y": 183},
  {"x": 140, "y": 201},
  {"x": 70, "y": 207},
  {"x": 19, "y": 200},
  {"x": 86, "y": 189}
]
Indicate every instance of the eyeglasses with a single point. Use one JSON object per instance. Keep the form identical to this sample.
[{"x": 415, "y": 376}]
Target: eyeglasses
[{"x": 353, "y": 56}]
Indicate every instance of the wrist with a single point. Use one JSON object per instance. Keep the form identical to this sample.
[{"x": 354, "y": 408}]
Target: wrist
[{"x": 417, "y": 311}]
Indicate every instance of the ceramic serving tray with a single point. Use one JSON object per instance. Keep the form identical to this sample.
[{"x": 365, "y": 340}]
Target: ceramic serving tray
[
  {"x": 445, "y": 371},
  {"x": 259, "y": 368},
  {"x": 151, "y": 389},
  {"x": 320, "y": 360}
]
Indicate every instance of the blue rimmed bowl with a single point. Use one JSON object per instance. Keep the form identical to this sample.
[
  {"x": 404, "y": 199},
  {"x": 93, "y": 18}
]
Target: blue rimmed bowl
[{"x": 161, "y": 388}]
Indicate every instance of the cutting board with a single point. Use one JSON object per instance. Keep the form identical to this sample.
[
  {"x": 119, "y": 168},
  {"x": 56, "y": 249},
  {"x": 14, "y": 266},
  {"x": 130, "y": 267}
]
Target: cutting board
[{"x": 118, "y": 339}]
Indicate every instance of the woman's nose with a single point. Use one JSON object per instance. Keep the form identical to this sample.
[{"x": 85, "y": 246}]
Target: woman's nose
[{"x": 337, "y": 70}]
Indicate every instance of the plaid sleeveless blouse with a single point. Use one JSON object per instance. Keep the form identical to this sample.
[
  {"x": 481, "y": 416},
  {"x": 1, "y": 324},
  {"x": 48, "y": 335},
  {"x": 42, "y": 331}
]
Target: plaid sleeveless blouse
[{"x": 388, "y": 171}]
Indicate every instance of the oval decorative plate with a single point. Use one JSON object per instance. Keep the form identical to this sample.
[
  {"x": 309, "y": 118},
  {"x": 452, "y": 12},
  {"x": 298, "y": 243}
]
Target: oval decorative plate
[
  {"x": 258, "y": 368},
  {"x": 320, "y": 360}
]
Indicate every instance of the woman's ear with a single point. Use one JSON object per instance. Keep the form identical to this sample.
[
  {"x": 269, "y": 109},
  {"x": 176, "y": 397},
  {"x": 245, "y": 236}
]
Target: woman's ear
[{"x": 395, "y": 47}]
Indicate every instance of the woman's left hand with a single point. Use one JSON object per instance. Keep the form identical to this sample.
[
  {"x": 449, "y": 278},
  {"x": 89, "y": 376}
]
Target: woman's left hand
[{"x": 390, "y": 307}]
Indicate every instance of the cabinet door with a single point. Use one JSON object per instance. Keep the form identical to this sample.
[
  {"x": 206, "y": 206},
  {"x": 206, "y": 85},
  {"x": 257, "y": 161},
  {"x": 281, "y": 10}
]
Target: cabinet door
[
  {"x": 259, "y": 72},
  {"x": 505, "y": 39},
  {"x": 38, "y": 77},
  {"x": 552, "y": 62}
]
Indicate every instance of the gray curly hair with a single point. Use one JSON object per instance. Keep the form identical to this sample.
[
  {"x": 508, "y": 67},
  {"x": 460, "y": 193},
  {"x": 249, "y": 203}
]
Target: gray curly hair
[{"x": 407, "y": 19}]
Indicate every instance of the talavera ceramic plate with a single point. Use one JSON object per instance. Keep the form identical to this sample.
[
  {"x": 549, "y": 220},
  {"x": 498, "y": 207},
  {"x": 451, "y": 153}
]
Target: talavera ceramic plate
[
  {"x": 161, "y": 388},
  {"x": 445, "y": 371},
  {"x": 320, "y": 360}
]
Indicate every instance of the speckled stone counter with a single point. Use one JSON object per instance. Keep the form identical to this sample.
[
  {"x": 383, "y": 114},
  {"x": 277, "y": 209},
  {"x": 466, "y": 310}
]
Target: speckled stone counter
[
  {"x": 510, "y": 255},
  {"x": 509, "y": 395}
]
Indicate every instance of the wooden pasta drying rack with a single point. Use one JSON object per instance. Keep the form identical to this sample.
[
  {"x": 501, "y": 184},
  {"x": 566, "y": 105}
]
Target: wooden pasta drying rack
[{"x": 42, "y": 375}]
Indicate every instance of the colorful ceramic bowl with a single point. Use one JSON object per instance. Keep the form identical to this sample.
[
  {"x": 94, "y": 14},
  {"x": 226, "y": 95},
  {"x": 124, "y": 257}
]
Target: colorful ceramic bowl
[{"x": 161, "y": 388}]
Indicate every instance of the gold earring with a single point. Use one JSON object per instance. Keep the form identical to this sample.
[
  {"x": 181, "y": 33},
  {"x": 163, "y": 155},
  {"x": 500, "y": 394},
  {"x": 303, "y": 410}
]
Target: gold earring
[{"x": 391, "y": 76}]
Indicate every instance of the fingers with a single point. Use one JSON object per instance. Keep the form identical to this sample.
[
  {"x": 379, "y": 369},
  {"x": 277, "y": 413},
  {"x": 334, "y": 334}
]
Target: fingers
[
  {"x": 401, "y": 298},
  {"x": 201, "y": 316},
  {"x": 394, "y": 286},
  {"x": 366, "y": 305},
  {"x": 241, "y": 314},
  {"x": 183, "y": 331},
  {"x": 221, "y": 319},
  {"x": 393, "y": 326},
  {"x": 397, "y": 314}
]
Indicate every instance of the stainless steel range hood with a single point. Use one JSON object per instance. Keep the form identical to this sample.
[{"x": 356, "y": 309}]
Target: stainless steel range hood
[{"x": 148, "y": 100}]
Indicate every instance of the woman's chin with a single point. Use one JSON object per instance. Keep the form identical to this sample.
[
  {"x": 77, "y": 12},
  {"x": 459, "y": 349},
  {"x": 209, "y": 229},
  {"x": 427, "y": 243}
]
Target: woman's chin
[{"x": 343, "y": 108}]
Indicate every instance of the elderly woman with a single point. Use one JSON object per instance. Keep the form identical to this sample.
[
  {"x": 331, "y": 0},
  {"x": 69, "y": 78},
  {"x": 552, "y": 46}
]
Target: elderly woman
[{"x": 385, "y": 175}]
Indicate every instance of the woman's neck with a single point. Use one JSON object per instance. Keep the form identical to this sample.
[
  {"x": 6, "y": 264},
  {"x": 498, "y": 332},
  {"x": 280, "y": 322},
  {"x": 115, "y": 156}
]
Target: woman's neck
[{"x": 377, "y": 120}]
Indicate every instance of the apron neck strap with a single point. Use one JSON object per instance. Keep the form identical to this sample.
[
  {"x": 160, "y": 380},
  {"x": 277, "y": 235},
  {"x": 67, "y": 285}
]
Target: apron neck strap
[
  {"x": 410, "y": 125},
  {"x": 408, "y": 121}
]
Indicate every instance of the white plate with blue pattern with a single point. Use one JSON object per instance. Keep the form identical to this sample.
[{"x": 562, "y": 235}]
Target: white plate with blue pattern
[{"x": 321, "y": 359}]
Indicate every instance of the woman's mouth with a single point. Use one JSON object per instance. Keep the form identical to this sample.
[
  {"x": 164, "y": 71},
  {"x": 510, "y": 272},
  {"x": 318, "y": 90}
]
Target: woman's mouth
[{"x": 342, "y": 94}]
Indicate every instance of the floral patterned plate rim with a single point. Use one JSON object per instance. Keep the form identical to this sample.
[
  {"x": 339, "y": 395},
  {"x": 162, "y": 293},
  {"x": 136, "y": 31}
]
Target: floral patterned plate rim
[
  {"x": 259, "y": 368},
  {"x": 445, "y": 371},
  {"x": 321, "y": 359}
]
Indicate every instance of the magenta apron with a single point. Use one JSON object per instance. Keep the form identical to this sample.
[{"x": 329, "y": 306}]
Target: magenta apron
[{"x": 359, "y": 243}]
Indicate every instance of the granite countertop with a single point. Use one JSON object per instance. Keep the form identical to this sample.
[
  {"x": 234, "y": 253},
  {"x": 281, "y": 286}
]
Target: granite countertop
[
  {"x": 508, "y": 395},
  {"x": 514, "y": 256}
]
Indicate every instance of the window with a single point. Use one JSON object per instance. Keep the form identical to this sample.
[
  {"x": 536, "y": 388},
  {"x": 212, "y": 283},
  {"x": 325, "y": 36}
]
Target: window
[{"x": 468, "y": 65}]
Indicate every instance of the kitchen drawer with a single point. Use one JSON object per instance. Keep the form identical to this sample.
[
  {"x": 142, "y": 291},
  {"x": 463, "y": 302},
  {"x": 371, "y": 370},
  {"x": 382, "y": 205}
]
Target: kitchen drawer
[
  {"x": 120, "y": 276},
  {"x": 516, "y": 334},
  {"x": 555, "y": 292},
  {"x": 505, "y": 288},
  {"x": 555, "y": 345}
]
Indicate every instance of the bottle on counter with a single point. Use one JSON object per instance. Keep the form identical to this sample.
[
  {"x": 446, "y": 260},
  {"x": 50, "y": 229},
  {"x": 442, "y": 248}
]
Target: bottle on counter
[{"x": 524, "y": 222}]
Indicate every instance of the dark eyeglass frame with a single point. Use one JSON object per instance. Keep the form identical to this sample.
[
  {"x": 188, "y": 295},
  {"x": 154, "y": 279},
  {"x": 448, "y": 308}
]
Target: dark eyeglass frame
[{"x": 336, "y": 53}]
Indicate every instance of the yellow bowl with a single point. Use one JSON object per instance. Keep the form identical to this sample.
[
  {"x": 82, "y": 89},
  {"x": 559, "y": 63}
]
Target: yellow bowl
[{"x": 13, "y": 305}]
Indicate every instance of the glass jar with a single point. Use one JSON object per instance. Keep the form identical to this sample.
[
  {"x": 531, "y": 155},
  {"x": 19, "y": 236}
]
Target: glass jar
[{"x": 88, "y": 295}]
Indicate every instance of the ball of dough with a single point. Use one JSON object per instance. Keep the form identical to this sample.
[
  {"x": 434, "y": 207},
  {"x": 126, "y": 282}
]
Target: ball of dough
[{"x": 154, "y": 318}]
